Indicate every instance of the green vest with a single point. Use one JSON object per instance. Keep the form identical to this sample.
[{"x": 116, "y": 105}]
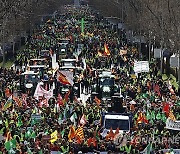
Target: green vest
[
  {"x": 122, "y": 149},
  {"x": 128, "y": 150}
]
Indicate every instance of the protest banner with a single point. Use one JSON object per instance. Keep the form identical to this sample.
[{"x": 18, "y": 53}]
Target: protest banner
[{"x": 173, "y": 125}]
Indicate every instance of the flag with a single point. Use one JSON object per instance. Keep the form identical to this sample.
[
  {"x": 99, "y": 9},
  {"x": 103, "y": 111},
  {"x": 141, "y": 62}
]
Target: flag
[
  {"x": 158, "y": 116},
  {"x": 83, "y": 120},
  {"x": 8, "y": 103},
  {"x": 148, "y": 115},
  {"x": 19, "y": 123},
  {"x": 170, "y": 87},
  {"x": 100, "y": 54},
  {"x": 79, "y": 134},
  {"x": 116, "y": 132},
  {"x": 54, "y": 136},
  {"x": 73, "y": 118},
  {"x": 97, "y": 100},
  {"x": 71, "y": 134},
  {"x": 141, "y": 118},
  {"x": 106, "y": 50},
  {"x": 92, "y": 141},
  {"x": 69, "y": 76},
  {"x": 59, "y": 100},
  {"x": 62, "y": 78},
  {"x": 28, "y": 134},
  {"x": 24, "y": 99},
  {"x": 163, "y": 117},
  {"x": 44, "y": 102},
  {"x": 66, "y": 97},
  {"x": 157, "y": 89},
  {"x": 110, "y": 135},
  {"x": 166, "y": 108},
  {"x": 171, "y": 116},
  {"x": 8, "y": 136},
  {"x": 9, "y": 145},
  {"x": 82, "y": 26},
  {"x": 7, "y": 92},
  {"x": 18, "y": 101},
  {"x": 148, "y": 149}
]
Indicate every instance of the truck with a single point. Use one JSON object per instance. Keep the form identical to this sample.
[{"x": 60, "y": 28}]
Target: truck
[
  {"x": 105, "y": 86},
  {"x": 110, "y": 120}
]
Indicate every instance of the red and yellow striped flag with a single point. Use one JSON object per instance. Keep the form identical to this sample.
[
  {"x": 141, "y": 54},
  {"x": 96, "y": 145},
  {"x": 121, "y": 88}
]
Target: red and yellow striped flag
[
  {"x": 171, "y": 116},
  {"x": 79, "y": 134}
]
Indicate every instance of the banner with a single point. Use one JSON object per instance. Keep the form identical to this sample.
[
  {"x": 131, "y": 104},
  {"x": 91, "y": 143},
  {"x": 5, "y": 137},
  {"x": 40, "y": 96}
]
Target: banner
[
  {"x": 40, "y": 91},
  {"x": 141, "y": 66},
  {"x": 173, "y": 125}
]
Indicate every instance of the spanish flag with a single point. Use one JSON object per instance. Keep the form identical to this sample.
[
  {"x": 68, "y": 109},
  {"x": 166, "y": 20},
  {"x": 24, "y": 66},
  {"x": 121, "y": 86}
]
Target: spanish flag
[
  {"x": 62, "y": 78},
  {"x": 110, "y": 135},
  {"x": 54, "y": 136},
  {"x": 72, "y": 133},
  {"x": 97, "y": 100},
  {"x": 106, "y": 50},
  {"x": 141, "y": 118}
]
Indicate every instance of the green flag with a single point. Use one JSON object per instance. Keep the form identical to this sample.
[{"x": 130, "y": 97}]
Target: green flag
[
  {"x": 8, "y": 104},
  {"x": 40, "y": 152},
  {"x": 148, "y": 149},
  {"x": 62, "y": 133},
  {"x": 29, "y": 151},
  {"x": 153, "y": 117},
  {"x": 82, "y": 26},
  {"x": 33, "y": 134},
  {"x": 19, "y": 123},
  {"x": 158, "y": 116},
  {"x": 163, "y": 117},
  {"x": 148, "y": 115},
  {"x": 10, "y": 144}
]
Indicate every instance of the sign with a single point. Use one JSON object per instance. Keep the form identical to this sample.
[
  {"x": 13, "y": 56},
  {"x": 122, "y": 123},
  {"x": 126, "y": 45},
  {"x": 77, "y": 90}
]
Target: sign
[
  {"x": 174, "y": 61},
  {"x": 36, "y": 116},
  {"x": 141, "y": 66},
  {"x": 157, "y": 53},
  {"x": 173, "y": 125}
]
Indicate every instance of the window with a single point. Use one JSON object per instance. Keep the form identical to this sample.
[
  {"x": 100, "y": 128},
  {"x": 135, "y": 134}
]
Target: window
[{"x": 117, "y": 123}]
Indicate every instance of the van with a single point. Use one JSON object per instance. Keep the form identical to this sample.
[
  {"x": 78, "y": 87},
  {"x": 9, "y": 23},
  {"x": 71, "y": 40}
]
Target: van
[{"x": 114, "y": 121}]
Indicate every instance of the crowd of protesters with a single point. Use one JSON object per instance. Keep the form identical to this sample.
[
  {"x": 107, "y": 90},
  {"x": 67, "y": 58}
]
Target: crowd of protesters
[{"x": 64, "y": 123}]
